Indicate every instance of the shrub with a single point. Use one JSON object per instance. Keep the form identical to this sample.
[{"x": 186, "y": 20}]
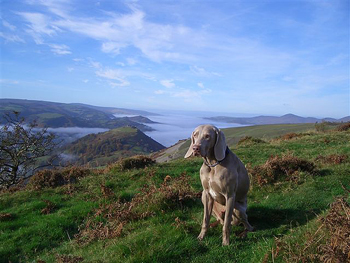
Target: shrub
[
  {"x": 343, "y": 127},
  {"x": 135, "y": 162},
  {"x": 320, "y": 127},
  {"x": 55, "y": 178},
  {"x": 282, "y": 168},
  {"x": 247, "y": 140}
]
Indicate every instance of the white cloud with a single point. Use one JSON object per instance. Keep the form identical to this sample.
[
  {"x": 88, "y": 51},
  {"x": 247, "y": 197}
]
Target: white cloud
[
  {"x": 112, "y": 47},
  {"x": 70, "y": 69},
  {"x": 8, "y": 25},
  {"x": 60, "y": 49},
  {"x": 39, "y": 26},
  {"x": 94, "y": 64},
  {"x": 203, "y": 89},
  {"x": 11, "y": 38},
  {"x": 203, "y": 72},
  {"x": 110, "y": 74},
  {"x": 121, "y": 83},
  {"x": 115, "y": 75},
  {"x": 168, "y": 83}
]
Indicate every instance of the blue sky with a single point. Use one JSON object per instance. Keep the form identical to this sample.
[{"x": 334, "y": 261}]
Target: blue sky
[{"x": 250, "y": 56}]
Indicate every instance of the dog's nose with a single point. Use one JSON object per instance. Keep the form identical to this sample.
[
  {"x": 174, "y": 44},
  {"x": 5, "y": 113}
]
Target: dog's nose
[{"x": 196, "y": 148}]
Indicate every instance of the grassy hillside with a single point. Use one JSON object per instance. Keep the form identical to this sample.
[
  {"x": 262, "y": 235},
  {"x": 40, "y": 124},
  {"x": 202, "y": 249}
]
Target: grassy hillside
[
  {"x": 103, "y": 148},
  {"x": 54, "y": 115},
  {"x": 154, "y": 214},
  {"x": 233, "y": 135}
]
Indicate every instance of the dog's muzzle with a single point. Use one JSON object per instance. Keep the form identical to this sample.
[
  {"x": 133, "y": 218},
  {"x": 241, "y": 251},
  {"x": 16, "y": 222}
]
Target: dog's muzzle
[{"x": 196, "y": 150}]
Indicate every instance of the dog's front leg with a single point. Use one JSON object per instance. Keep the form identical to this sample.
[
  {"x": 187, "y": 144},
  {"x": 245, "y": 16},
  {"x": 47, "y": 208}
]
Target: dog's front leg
[
  {"x": 208, "y": 202},
  {"x": 230, "y": 201}
]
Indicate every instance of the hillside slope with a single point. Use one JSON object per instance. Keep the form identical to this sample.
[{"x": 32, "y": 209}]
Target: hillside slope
[
  {"x": 154, "y": 214},
  {"x": 233, "y": 135},
  {"x": 110, "y": 146},
  {"x": 54, "y": 115}
]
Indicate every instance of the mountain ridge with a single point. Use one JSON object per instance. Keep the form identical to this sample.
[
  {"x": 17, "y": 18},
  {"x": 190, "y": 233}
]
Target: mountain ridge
[
  {"x": 284, "y": 119},
  {"x": 55, "y": 115}
]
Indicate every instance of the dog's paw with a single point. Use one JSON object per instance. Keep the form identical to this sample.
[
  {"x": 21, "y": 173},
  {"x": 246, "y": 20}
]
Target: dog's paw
[
  {"x": 201, "y": 236},
  {"x": 225, "y": 242}
]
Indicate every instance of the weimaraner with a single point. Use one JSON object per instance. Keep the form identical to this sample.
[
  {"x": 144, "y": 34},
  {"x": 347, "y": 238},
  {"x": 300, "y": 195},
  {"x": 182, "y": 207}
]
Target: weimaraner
[{"x": 224, "y": 179}]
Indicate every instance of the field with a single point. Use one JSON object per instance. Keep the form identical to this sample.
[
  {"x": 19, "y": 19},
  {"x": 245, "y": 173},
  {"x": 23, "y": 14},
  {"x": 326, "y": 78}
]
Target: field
[{"x": 153, "y": 214}]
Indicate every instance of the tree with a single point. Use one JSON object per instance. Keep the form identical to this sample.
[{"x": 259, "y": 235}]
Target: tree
[{"x": 21, "y": 146}]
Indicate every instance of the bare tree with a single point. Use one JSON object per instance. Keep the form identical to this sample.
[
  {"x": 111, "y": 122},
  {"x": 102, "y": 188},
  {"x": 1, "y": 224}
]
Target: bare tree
[{"x": 21, "y": 147}]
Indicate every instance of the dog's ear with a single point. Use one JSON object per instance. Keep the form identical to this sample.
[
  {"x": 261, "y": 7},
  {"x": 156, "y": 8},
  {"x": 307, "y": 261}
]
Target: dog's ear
[
  {"x": 220, "y": 145},
  {"x": 190, "y": 149}
]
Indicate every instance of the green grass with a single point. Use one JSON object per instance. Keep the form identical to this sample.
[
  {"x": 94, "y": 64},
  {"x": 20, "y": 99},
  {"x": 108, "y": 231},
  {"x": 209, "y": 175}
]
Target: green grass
[
  {"x": 265, "y": 132},
  {"x": 286, "y": 209}
]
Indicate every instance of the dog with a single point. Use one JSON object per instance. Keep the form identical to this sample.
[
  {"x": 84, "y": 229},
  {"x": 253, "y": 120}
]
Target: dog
[{"x": 224, "y": 179}]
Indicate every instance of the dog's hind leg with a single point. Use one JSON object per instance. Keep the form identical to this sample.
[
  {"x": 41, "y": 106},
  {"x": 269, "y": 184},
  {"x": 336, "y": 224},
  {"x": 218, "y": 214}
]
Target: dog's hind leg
[{"x": 241, "y": 213}]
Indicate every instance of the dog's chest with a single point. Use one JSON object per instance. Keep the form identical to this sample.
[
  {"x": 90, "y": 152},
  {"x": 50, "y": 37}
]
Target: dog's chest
[{"x": 214, "y": 189}]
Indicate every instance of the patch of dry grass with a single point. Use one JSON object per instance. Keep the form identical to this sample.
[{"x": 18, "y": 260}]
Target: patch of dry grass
[
  {"x": 249, "y": 140},
  {"x": 332, "y": 159},
  {"x": 284, "y": 168},
  {"x": 55, "y": 178},
  {"x": 135, "y": 162},
  {"x": 109, "y": 220},
  {"x": 329, "y": 241},
  {"x": 343, "y": 127}
]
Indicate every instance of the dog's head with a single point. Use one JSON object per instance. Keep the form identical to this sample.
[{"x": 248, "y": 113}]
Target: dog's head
[{"x": 207, "y": 140}]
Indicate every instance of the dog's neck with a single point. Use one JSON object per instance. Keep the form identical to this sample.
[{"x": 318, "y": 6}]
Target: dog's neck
[{"x": 211, "y": 161}]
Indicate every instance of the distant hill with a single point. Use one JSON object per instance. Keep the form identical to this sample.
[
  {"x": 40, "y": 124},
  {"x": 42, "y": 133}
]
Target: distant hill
[
  {"x": 102, "y": 148},
  {"x": 120, "y": 111},
  {"x": 54, "y": 115},
  {"x": 285, "y": 119}
]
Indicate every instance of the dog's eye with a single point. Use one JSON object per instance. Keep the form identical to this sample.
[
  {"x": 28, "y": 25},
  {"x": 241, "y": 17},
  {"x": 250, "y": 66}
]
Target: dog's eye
[{"x": 207, "y": 136}]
